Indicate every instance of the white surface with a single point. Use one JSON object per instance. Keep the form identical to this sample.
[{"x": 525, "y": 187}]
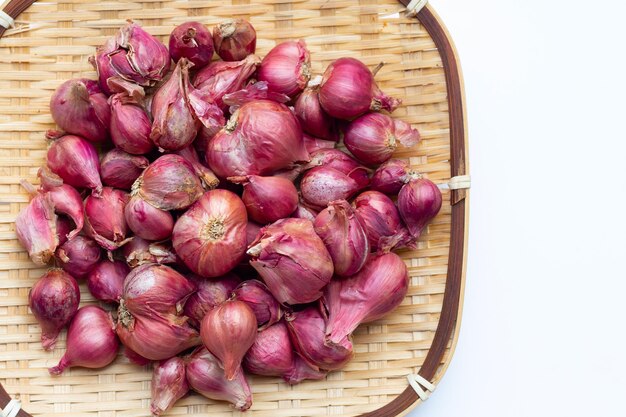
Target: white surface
[{"x": 543, "y": 330}]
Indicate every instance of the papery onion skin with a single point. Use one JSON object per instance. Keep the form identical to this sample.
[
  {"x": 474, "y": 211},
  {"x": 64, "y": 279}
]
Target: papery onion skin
[
  {"x": 259, "y": 298},
  {"x": 228, "y": 331},
  {"x": 292, "y": 260},
  {"x": 209, "y": 294},
  {"x": 206, "y": 377},
  {"x": 65, "y": 199},
  {"x": 104, "y": 218},
  {"x": 91, "y": 341},
  {"x": 348, "y": 90},
  {"x": 257, "y": 91},
  {"x": 286, "y": 67},
  {"x": 35, "y": 226},
  {"x": 147, "y": 221},
  {"x": 234, "y": 39},
  {"x": 169, "y": 183},
  {"x": 169, "y": 384},
  {"x": 120, "y": 169},
  {"x": 208, "y": 178},
  {"x": 268, "y": 199},
  {"x": 390, "y": 176},
  {"x": 53, "y": 300},
  {"x": 324, "y": 184},
  {"x": 191, "y": 40},
  {"x": 419, "y": 201},
  {"x": 130, "y": 126},
  {"x": 79, "y": 107},
  {"x": 301, "y": 370},
  {"x": 304, "y": 212},
  {"x": 76, "y": 161},
  {"x": 210, "y": 238},
  {"x": 373, "y": 137},
  {"x": 342, "y": 162},
  {"x": 307, "y": 330},
  {"x": 139, "y": 252},
  {"x": 381, "y": 220},
  {"x": 79, "y": 255},
  {"x": 314, "y": 120},
  {"x": 344, "y": 237},
  {"x": 271, "y": 354},
  {"x": 367, "y": 296},
  {"x": 106, "y": 280},
  {"x": 64, "y": 227},
  {"x": 313, "y": 144},
  {"x": 260, "y": 138}
]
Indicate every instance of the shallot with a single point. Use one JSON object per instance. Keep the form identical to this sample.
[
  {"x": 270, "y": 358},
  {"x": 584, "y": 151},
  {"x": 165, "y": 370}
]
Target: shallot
[
  {"x": 314, "y": 120},
  {"x": 35, "y": 226},
  {"x": 315, "y": 144},
  {"x": 147, "y": 221},
  {"x": 419, "y": 201},
  {"x": 271, "y": 354},
  {"x": 106, "y": 280},
  {"x": 234, "y": 39},
  {"x": 120, "y": 169},
  {"x": 104, "y": 218},
  {"x": 130, "y": 126},
  {"x": 79, "y": 255},
  {"x": 259, "y": 298},
  {"x": 268, "y": 199},
  {"x": 91, "y": 341},
  {"x": 324, "y": 184},
  {"x": 65, "y": 199},
  {"x": 169, "y": 384},
  {"x": 53, "y": 300},
  {"x": 139, "y": 252},
  {"x": 208, "y": 178},
  {"x": 391, "y": 176},
  {"x": 286, "y": 68},
  {"x": 228, "y": 331},
  {"x": 76, "y": 161},
  {"x": 191, "y": 40},
  {"x": 209, "y": 294}
]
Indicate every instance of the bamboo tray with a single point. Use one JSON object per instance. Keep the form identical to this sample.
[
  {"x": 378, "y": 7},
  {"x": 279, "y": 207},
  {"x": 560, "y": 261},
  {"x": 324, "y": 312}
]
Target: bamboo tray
[{"x": 51, "y": 42}]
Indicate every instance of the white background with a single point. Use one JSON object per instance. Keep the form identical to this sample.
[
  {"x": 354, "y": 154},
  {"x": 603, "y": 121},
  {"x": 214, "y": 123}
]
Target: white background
[{"x": 544, "y": 323}]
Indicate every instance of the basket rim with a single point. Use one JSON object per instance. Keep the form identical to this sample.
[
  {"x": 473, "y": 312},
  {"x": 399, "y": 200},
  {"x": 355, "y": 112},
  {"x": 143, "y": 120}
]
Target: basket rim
[{"x": 448, "y": 327}]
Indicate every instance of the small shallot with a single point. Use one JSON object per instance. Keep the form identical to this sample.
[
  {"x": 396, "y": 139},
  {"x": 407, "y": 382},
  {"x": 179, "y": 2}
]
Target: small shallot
[
  {"x": 130, "y": 126},
  {"x": 342, "y": 162},
  {"x": 307, "y": 329},
  {"x": 271, "y": 354},
  {"x": 234, "y": 39},
  {"x": 268, "y": 199},
  {"x": 324, "y": 184},
  {"x": 314, "y": 120},
  {"x": 381, "y": 220},
  {"x": 208, "y": 178},
  {"x": 374, "y": 137},
  {"x": 91, "y": 341},
  {"x": 106, "y": 280},
  {"x": 192, "y": 40},
  {"x": 76, "y": 161},
  {"x": 79, "y": 107},
  {"x": 344, "y": 237},
  {"x": 286, "y": 68},
  {"x": 53, "y": 301},
  {"x": 169, "y": 384},
  {"x": 35, "y": 226},
  {"x": 147, "y": 221},
  {"x": 210, "y": 238},
  {"x": 104, "y": 218},
  {"x": 367, "y": 296},
  {"x": 348, "y": 90},
  {"x": 259, "y": 298},
  {"x": 79, "y": 255},
  {"x": 391, "y": 176},
  {"x": 65, "y": 198},
  {"x": 120, "y": 169},
  {"x": 228, "y": 331},
  {"x": 169, "y": 183},
  {"x": 292, "y": 260},
  {"x": 206, "y": 377},
  {"x": 419, "y": 201},
  {"x": 209, "y": 294}
]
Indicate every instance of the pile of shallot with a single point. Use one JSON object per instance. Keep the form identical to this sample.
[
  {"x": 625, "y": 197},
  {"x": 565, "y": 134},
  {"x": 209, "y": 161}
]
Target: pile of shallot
[{"x": 212, "y": 213}]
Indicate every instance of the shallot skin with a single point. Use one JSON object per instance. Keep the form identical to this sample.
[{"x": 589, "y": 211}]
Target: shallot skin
[
  {"x": 169, "y": 384},
  {"x": 314, "y": 120},
  {"x": 147, "y": 221},
  {"x": 53, "y": 300},
  {"x": 268, "y": 199},
  {"x": 106, "y": 280},
  {"x": 120, "y": 169},
  {"x": 130, "y": 126},
  {"x": 35, "y": 226},
  {"x": 390, "y": 176},
  {"x": 286, "y": 67},
  {"x": 79, "y": 255},
  {"x": 76, "y": 161},
  {"x": 259, "y": 298},
  {"x": 324, "y": 184},
  {"x": 104, "y": 218}
]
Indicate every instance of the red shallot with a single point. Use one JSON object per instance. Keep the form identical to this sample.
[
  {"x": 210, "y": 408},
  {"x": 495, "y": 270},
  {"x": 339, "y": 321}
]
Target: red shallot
[
  {"x": 130, "y": 126},
  {"x": 76, "y": 161},
  {"x": 79, "y": 107},
  {"x": 348, "y": 90},
  {"x": 104, "y": 218},
  {"x": 258, "y": 91},
  {"x": 79, "y": 255},
  {"x": 342, "y": 162},
  {"x": 324, "y": 184},
  {"x": 301, "y": 370},
  {"x": 192, "y": 40},
  {"x": 208, "y": 178},
  {"x": 268, "y": 199},
  {"x": 259, "y": 298},
  {"x": 106, "y": 280},
  {"x": 169, "y": 183},
  {"x": 209, "y": 294},
  {"x": 391, "y": 176},
  {"x": 314, "y": 144},
  {"x": 91, "y": 341},
  {"x": 120, "y": 169},
  {"x": 292, "y": 260},
  {"x": 210, "y": 238},
  {"x": 344, "y": 237},
  {"x": 286, "y": 67},
  {"x": 206, "y": 377},
  {"x": 228, "y": 331},
  {"x": 367, "y": 296},
  {"x": 35, "y": 226},
  {"x": 64, "y": 227},
  {"x": 374, "y": 137},
  {"x": 169, "y": 384},
  {"x": 147, "y": 221},
  {"x": 419, "y": 201},
  {"x": 53, "y": 300},
  {"x": 271, "y": 354},
  {"x": 234, "y": 39},
  {"x": 304, "y": 212},
  {"x": 260, "y": 138},
  {"x": 314, "y": 120}
]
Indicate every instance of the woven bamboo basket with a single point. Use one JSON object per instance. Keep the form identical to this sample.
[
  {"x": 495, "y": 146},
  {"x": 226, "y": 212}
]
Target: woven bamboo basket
[{"x": 51, "y": 42}]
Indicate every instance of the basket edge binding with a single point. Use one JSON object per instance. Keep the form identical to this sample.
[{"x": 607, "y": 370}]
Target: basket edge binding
[{"x": 447, "y": 332}]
